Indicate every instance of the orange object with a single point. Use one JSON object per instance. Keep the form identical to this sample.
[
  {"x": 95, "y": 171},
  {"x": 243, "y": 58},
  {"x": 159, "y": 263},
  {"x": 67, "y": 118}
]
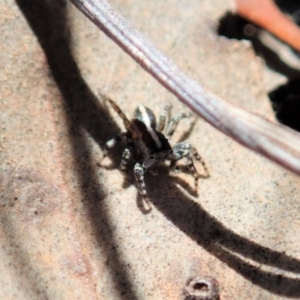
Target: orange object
[{"x": 267, "y": 15}]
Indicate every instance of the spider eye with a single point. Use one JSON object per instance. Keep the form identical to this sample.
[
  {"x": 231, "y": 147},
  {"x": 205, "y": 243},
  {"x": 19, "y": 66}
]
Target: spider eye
[{"x": 145, "y": 115}]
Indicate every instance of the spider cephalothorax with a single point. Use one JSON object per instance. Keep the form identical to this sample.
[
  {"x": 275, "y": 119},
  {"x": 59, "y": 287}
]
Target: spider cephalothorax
[{"x": 148, "y": 142}]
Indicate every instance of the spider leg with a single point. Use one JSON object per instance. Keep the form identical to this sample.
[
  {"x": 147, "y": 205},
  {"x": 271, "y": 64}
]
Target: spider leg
[
  {"x": 174, "y": 122},
  {"x": 186, "y": 150},
  {"x": 164, "y": 117},
  {"x": 126, "y": 122},
  {"x": 139, "y": 176},
  {"x": 125, "y": 158},
  {"x": 201, "y": 160},
  {"x": 172, "y": 166}
]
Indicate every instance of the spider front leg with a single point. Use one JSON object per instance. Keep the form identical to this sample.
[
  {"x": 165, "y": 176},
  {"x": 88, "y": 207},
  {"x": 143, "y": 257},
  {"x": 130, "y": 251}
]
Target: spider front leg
[
  {"x": 139, "y": 176},
  {"x": 182, "y": 150}
]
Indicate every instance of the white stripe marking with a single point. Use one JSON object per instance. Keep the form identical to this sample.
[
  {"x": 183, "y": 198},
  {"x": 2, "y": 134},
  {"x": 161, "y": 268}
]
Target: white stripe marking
[{"x": 147, "y": 122}]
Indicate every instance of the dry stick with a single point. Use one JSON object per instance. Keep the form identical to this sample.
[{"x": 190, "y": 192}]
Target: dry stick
[{"x": 276, "y": 142}]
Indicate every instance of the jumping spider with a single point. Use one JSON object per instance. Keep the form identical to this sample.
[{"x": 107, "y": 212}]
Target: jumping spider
[{"x": 148, "y": 142}]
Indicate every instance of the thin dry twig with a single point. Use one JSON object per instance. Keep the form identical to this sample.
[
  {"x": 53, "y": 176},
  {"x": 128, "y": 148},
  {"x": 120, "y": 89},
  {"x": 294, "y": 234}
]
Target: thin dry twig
[{"x": 274, "y": 141}]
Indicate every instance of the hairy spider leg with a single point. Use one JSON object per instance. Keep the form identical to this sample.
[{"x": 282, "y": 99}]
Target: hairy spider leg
[
  {"x": 126, "y": 122},
  {"x": 164, "y": 117},
  {"x": 174, "y": 122},
  {"x": 125, "y": 158},
  {"x": 201, "y": 160},
  {"x": 182, "y": 150},
  {"x": 139, "y": 176}
]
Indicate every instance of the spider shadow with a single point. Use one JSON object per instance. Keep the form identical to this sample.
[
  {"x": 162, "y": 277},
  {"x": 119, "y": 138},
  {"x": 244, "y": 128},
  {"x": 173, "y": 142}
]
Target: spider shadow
[{"x": 232, "y": 249}]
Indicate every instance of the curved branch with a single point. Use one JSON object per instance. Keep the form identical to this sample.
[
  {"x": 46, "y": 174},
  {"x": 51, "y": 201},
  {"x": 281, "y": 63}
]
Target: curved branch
[{"x": 274, "y": 141}]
